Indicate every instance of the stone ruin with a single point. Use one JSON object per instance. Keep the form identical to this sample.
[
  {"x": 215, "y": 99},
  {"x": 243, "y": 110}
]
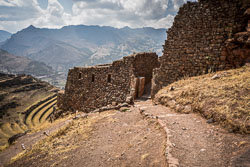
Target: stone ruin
[
  {"x": 90, "y": 88},
  {"x": 206, "y": 36},
  {"x": 202, "y": 39}
]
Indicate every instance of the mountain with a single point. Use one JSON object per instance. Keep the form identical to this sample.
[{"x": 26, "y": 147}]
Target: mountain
[
  {"x": 4, "y": 35},
  {"x": 22, "y": 65},
  {"x": 82, "y": 45}
]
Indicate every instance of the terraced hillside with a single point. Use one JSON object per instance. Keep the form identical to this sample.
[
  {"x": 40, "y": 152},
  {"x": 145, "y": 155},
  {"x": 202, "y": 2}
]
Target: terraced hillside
[{"x": 25, "y": 104}]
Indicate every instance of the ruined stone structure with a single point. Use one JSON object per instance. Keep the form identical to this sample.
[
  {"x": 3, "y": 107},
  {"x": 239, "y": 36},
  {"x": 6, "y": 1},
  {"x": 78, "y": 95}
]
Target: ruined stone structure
[
  {"x": 204, "y": 38},
  {"x": 89, "y": 88},
  {"x": 196, "y": 42}
]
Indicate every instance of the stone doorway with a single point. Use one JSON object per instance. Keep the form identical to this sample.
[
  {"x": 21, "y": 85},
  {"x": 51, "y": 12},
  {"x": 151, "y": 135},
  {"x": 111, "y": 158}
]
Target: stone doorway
[{"x": 142, "y": 89}]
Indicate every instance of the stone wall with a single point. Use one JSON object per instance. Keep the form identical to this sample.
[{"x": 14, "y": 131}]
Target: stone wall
[
  {"x": 144, "y": 65},
  {"x": 89, "y": 88},
  {"x": 196, "y": 40}
]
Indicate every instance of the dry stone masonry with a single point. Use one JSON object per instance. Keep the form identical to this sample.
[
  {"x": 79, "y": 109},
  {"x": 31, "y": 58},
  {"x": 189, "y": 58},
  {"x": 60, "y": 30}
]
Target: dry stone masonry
[
  {"x": 206, "y": 36},
  {"x": 196, "y": 41},
  {"x": 90, "y": 88}
]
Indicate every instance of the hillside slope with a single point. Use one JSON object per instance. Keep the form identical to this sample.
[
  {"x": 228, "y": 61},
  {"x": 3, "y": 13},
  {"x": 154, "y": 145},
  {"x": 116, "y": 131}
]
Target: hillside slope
[
  {"x": 221, "y": 97},
  {"x": 22, "y": 65},
  {"x": 19, "y": 92}
]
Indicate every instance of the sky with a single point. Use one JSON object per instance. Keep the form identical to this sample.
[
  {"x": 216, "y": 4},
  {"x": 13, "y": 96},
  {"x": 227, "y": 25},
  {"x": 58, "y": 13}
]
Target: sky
[{"x": 18, "y": 14}]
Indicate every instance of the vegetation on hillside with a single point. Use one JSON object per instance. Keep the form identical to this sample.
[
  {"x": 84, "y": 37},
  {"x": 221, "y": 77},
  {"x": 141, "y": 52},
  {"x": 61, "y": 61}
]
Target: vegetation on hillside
[
  {"x": 222, "y": 97},
  {"x": 20, "y": 98}
]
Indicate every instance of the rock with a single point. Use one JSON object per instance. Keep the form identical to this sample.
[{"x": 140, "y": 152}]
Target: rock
[
  {"x": 104, "y": 108},
  {"x": 247, "y": 12},
  {"x": 117, "y": 107},
  {"x": 184, "y": 128},
  {"x": 141, "y": 110},
  {"x": 187, "y": 109},
  {"x": 114, "y": 103},
  {"x": 179, "y": 108},
  {"x": 216, "y": 76},
  {"x": 124, "y": 109},
  {"x": 211, "y": 120},
  {"x": 45, "y": 133},
  {"x": 223, "y": 58},
  {"x": 85, "y": 116},
  {"x": 171, "y": 103},
  {"x": 23, "y": 147},
  {"x": 95, "y": 111},
  {"x": 202, "y": 150},
  {"x": 124, "y": 105},
  {"x": 129, "y": 100},
  {"x": 171, "y": 88}
]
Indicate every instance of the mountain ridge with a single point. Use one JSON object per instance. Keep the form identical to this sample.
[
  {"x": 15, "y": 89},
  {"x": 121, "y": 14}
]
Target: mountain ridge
[
  {"x": 4, "y": 35},
  {"x": 83, "y": 42}
]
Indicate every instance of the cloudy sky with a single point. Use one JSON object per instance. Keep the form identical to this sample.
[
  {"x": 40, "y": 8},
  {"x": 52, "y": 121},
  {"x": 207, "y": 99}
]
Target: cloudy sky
[{"x": 18, "y": 14}]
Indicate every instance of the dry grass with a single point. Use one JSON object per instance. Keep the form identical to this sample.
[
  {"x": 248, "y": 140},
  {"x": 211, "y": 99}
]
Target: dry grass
[
  {"x": 29, "y": 118},
  {"x": 43, "y": 118},
  {"x": 65, "y": 139},
  {"x": 4, "y": 144},
  {"x": 226, "y": 99},
  {"x": 37, "y": 101},
  {"x": 17, "y": 128},
  {"x": 6, "y": 128}
]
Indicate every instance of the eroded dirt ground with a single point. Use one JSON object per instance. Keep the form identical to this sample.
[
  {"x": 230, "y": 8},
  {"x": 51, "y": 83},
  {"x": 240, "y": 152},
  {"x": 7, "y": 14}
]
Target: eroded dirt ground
[
  {"x": 149, "y": 135},
  {"x": 110, "y": 138},
  {"x": 196, "y": 143}
]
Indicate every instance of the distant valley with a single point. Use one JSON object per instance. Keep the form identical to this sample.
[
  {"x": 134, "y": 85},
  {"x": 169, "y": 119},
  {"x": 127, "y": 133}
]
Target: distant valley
[
  {"x": 81, "y": 45},
  {"x": 23, "y": 65}
]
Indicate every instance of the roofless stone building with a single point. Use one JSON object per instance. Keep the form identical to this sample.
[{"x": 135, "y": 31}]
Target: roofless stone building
[
  {"x": 89, "y": 88},
  {"x": 206, "y": 36}
]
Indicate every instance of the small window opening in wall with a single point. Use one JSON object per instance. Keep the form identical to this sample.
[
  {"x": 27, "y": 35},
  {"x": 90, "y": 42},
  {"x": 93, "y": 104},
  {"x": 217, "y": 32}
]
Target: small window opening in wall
[
  {"x": 80, "y": 76},
  {"x": 93, "y": 78},
  {"x": 109, "y": 78}
]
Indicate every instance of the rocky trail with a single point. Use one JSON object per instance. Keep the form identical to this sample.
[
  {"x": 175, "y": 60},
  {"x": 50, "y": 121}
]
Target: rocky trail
[
  {"x": 193, "y": 141},
  {"x": 145, "y": 135}
]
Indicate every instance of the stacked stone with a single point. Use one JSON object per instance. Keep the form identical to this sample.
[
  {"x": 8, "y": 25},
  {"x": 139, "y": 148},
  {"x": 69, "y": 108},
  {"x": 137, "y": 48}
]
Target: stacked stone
[
  {"x": 143, "y": 67},
  {"x": 94, "y": 87},
  {"x": 237, "y": 49},
  {"x": 196, "y": 40}
]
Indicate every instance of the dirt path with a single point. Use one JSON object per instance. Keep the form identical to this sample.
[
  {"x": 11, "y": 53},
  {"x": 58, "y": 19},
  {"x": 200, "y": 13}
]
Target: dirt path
[
  {"x": 138, "y": 138},
  {"x": 193, "y": 142},
  {"x": 111, "y": 138}
]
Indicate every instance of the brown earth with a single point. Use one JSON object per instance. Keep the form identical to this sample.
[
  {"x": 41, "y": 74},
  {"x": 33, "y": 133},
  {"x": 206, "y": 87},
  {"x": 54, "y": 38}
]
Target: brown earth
[
  {"x": 30, "y": 139},
  {"x": 110, "y": 138},
  {"x": 194, "y": 142},
  {"x": 138, "y": 138}
]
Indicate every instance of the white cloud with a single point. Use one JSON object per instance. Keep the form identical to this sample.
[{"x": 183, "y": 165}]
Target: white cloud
[{"x": 117, "y": 13}]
